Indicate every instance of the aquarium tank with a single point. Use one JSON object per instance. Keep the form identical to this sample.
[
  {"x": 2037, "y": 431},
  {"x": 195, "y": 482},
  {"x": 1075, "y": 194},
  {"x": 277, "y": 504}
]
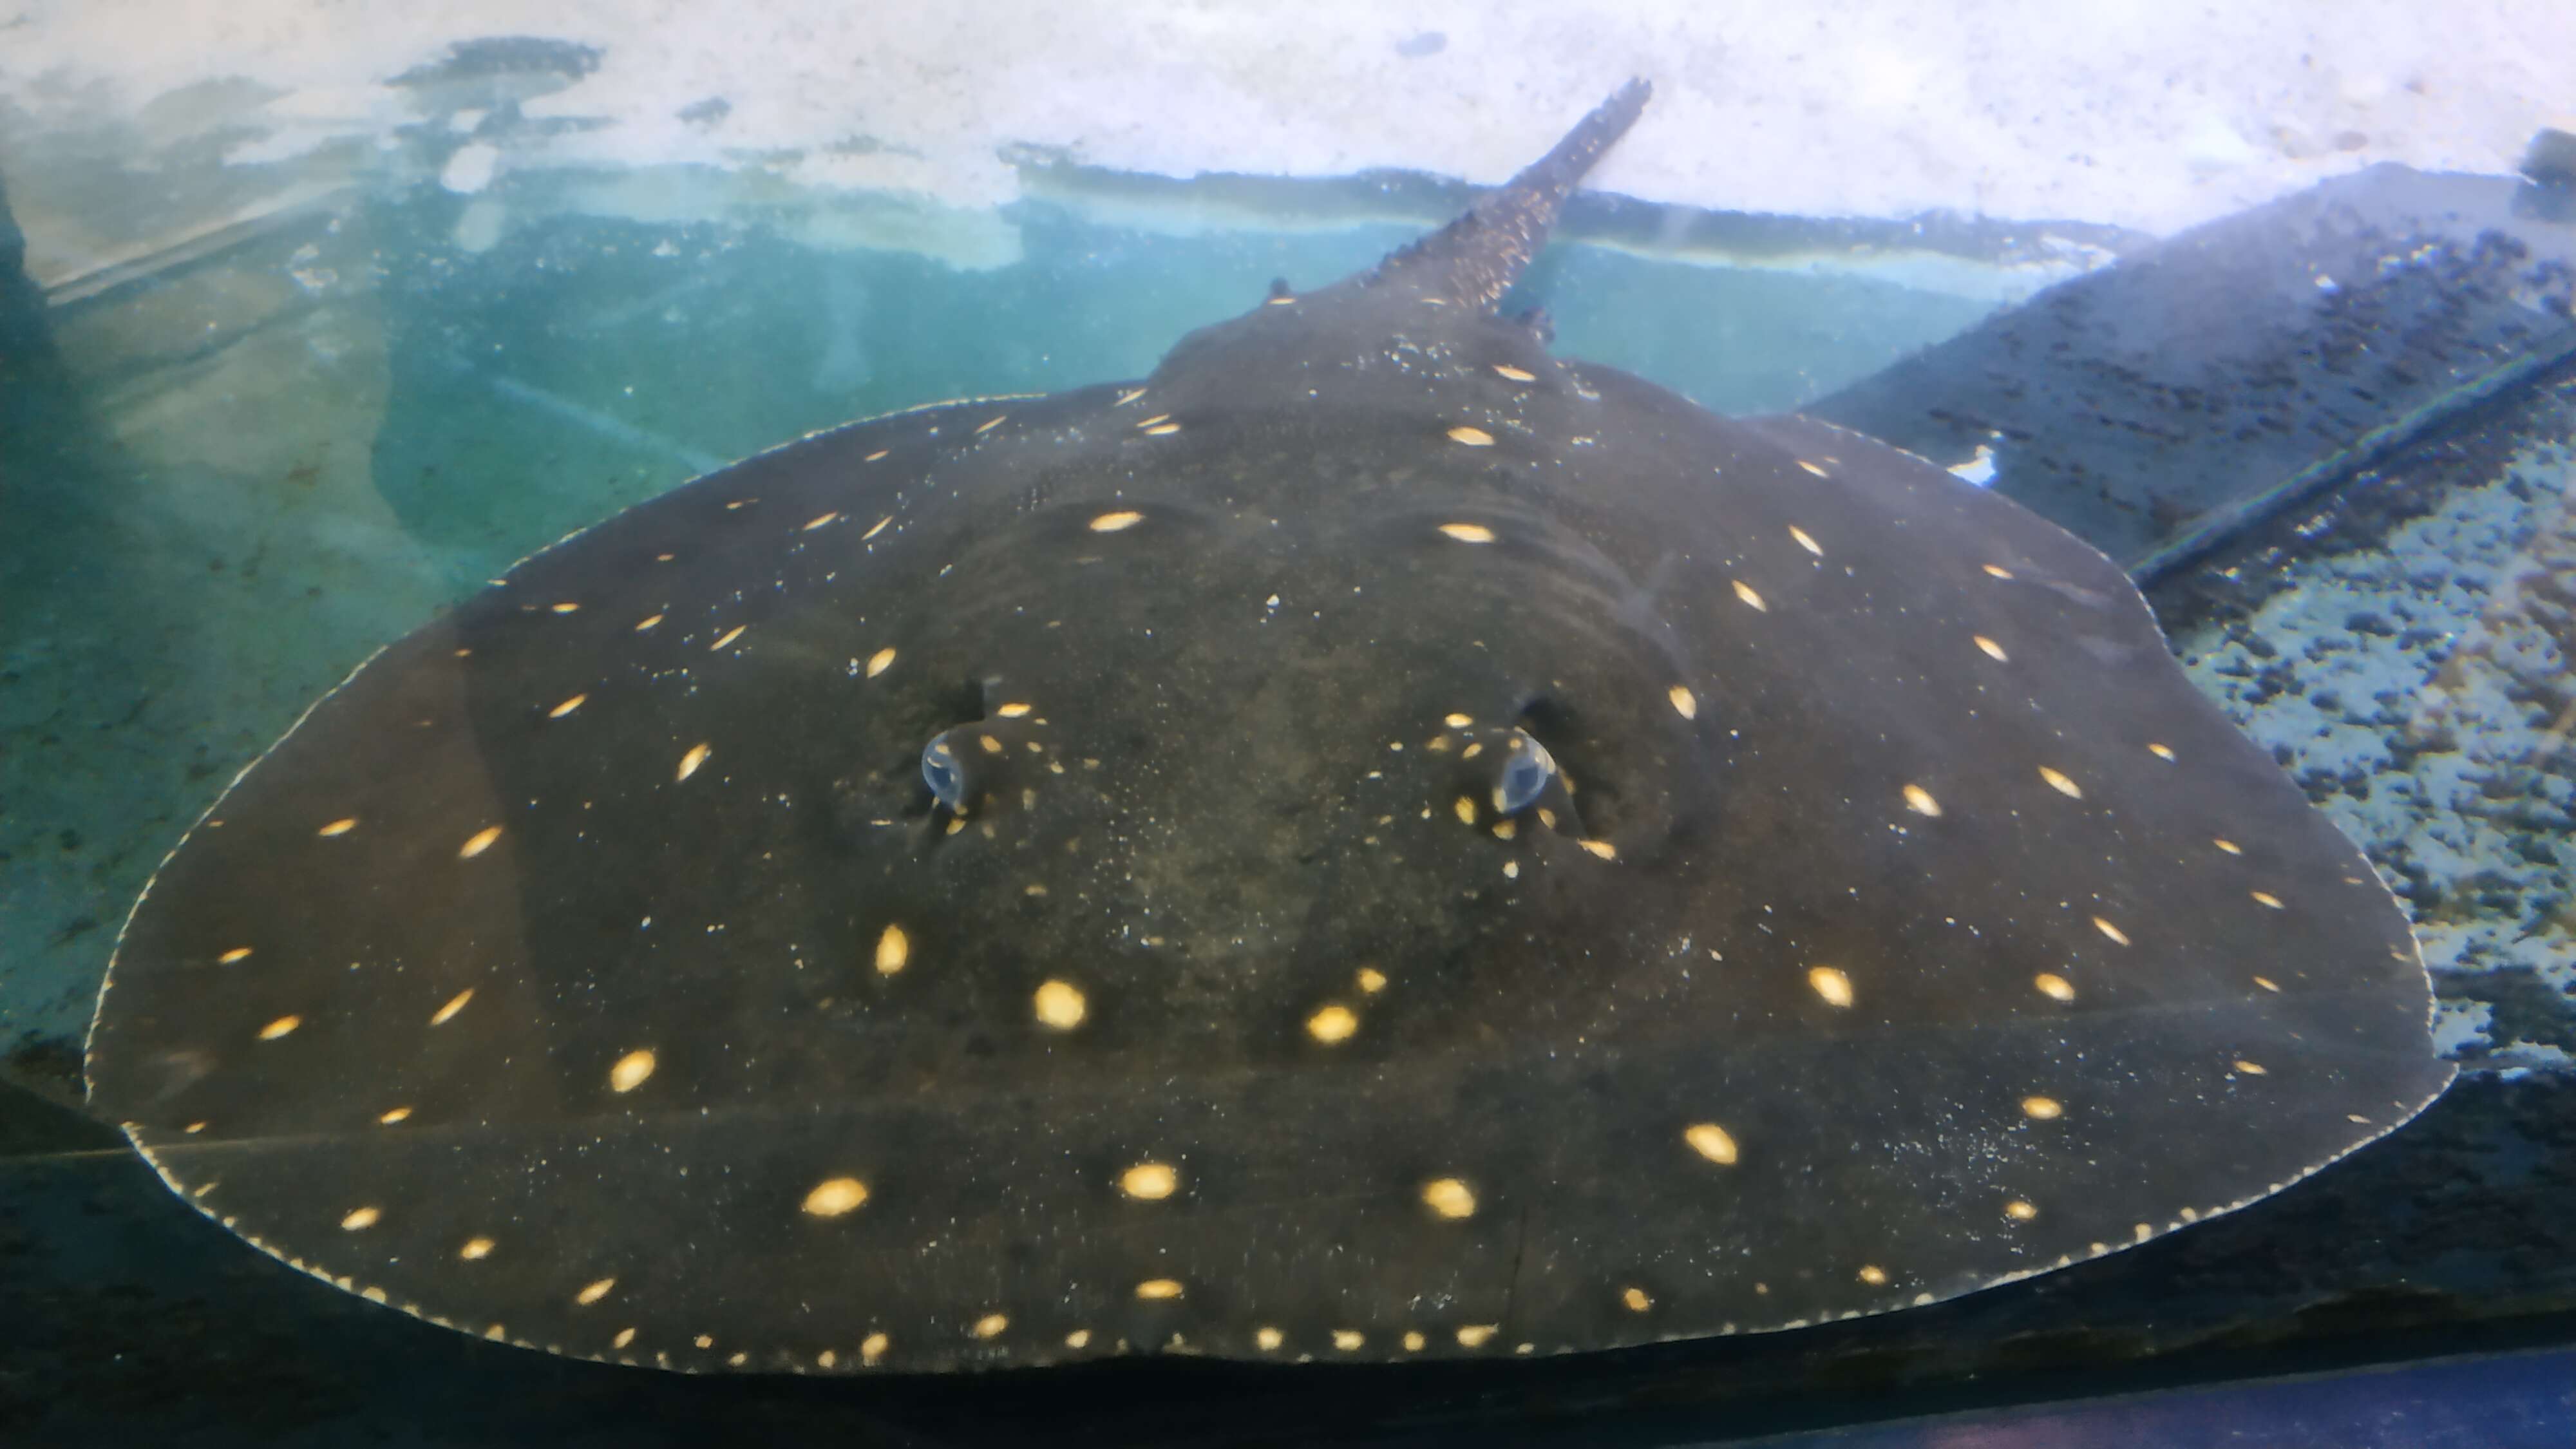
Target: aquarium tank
[{"x": 1175, "y": 724}]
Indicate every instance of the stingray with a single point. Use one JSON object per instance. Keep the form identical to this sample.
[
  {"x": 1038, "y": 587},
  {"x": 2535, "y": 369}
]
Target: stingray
[{"x": 1374, "y": 842}]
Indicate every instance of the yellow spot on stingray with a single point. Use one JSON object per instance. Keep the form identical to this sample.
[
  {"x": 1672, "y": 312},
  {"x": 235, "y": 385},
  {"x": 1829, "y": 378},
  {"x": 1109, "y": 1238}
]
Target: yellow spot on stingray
[
  {"x": 991, "y": 745},
  {"x": 1334, "y": 1023},
  {"x": 2020, "y": 1211},
  {"x": 1873, "y": 1275},
  {"x": 1449, "y": 1197},
  {"x": 567, "y": 608},
  {"x": 876, "y": 528},
  {"x": 1348, "y": 1340},
  {"x": 894, "y": 950},
  {"x": 238, "y": 953},
  {"x": 873, "y": 1347},
  {"x": 1458, "y": 721},
  {"x": 2001, "y": 573},
  {"x": 1012, "y": 711},
  {"x": 2058, "y": 782},
  {"x": 395, "y": 1115},
  {"x": 2266, "y": 983},
  {"x": 1503, "y": 829},
  {"x": 1113, "y": 522},
  {"x": 1477, "y": 1335},
  {"x": 820, "y": 520},
  {"x": 1993, "y": 650},
  {"x": 835, "y": 1196},
  {"x": 626, "y": 1336},
  {"x": 455, "y": 1004},
  {"x": 873, "y": 457},
  {"x": 1156, "y": 1288},
  {"x": 1920, "y": 801},
  {"x": 2118, "y": 936},
  {"x": 1468, "y": 532},
  {"x": 1472, "y": 437},
  {"x": 1745, "y": 592},
  {"x": 704, "y": 1340},
  {"x": 879, "y": 662},
  {"x": 630, "y": 1070},
  {"x": 1156, "y": 418},
  {"x": 1812, "y": 468},
  {"x": 1162, "y": 430},
  {"x": 1372, "y": 980},
  {"x": 1832, "y": 985},
  {"x": 991, "y": 1325},
  {"x": 2266, "y": 898},
  {"x": 1505, "y": 369},
  {"x": 727, "y": 637},
  {"x": 2251, "y": 1069},
  {"x": 2042, "y": 1109},
  {"x": 479, "y": 842},
  {"x": 1059, "y": 1004},
  {"x": 2230, "y": 846},
  {"x": 360, "y": 1218},
  {"x": 1466, "y": 809},
  {"x": 689, "y": 762},
  {"x": 1413, "y": 1342},
  {"x": 593, "y": 1292},
  {"x": 1130, "y": 395},
  {"x": 1635, "y": 1299},
  {"x": 1712, "y": 1142},
  {"x": 567, "y": 707},
  {"x": 988, "y": 427},
  {"x": 1269, "y": 1339},
  {"x": 2161, "y": 752},
  {"x": 1602, "y": 848},
  {"x": 1804, "y": 541},
  {"x": 475, "y": 1249},
  {"x": 341, "y": 826},
  {"x": 649, "y": 621},
  {"x": 1685, "y": 703},
  {"x": 2054, "y": 986},
  {"x": 1149, "y": 1181},
  {"x": 1079, "y": 1338},
  {"x": 280, "y": 1027}
]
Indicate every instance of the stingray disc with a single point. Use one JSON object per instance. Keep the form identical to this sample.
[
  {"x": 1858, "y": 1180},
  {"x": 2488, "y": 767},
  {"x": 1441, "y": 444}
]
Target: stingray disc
[{"x": 1373, "y": 842}]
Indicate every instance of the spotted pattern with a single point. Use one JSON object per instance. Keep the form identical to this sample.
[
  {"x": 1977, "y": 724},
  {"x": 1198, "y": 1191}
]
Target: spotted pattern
[{"x": 1157, "y": 1019}]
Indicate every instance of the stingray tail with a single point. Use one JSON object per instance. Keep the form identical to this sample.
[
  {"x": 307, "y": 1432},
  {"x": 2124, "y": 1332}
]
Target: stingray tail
[{"x": 1474, "y": 260}]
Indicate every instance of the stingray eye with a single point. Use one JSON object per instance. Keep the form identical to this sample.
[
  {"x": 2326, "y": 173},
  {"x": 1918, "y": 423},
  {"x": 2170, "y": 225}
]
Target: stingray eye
[
  {"x": 941, "y": 772},
  {"x": 1524, "y": 775}
]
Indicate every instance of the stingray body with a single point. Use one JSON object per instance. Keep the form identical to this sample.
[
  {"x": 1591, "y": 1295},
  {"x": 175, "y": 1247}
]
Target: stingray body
[{"x": 1374, "y": 842}]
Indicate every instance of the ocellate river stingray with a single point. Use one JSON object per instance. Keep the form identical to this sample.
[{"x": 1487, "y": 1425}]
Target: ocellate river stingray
[{"x": 1373, "y": 842}]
